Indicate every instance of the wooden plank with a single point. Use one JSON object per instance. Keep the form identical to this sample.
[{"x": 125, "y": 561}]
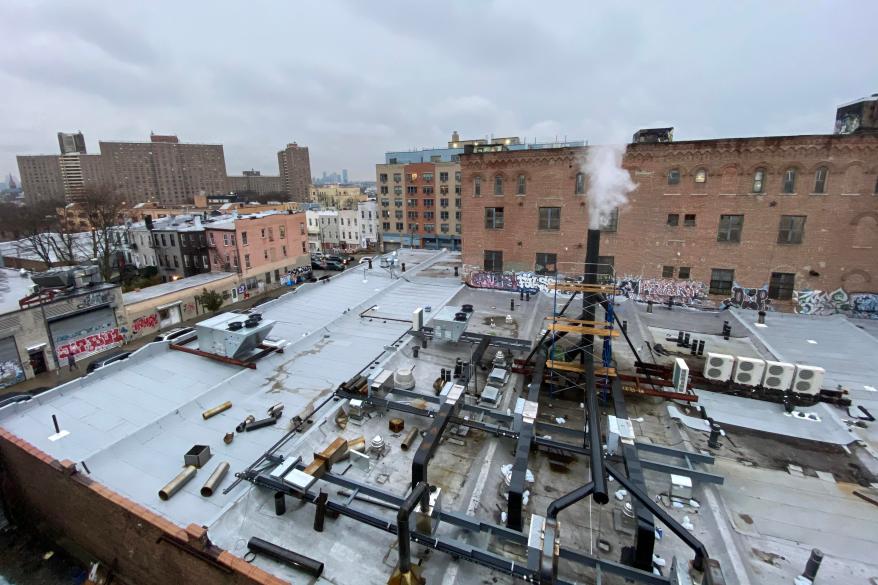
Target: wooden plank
[
  {"x": 577, "y": 367},
  {"x": 578, "y": 321},
  {"x": 583, "y": 330},
  {"x": 582, "y": 287}
]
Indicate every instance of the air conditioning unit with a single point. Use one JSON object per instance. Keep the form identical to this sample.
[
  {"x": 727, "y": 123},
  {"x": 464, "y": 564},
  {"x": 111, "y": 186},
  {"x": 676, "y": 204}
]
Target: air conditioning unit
[
  {"x": 718, "y": 366},
  {"x": 808, "y": 379},
  {"x": 681, "y": 375},
  {"x": 748, "y": 371},
  {"x": 778, "y": 375}
]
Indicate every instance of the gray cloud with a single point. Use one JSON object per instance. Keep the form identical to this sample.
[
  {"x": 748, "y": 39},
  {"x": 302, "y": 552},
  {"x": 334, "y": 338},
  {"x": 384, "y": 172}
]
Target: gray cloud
[{"x": 355, "y": 79}]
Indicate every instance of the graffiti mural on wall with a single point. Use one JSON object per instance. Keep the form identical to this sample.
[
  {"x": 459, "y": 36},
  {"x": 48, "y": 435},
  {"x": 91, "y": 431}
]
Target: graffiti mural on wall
[
  {"x": 145, "y": 322},
  {"x": 839, "y": 301},
  {"x": 91, "y": 343},
  {"x": 659, "y": 290},
  {"x": 749, "y": 298},
  {"x": 493, "y": 280}
]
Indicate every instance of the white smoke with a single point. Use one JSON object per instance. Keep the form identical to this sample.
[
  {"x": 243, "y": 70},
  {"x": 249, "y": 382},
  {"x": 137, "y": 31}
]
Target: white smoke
[{"x": 608, "y": 183}]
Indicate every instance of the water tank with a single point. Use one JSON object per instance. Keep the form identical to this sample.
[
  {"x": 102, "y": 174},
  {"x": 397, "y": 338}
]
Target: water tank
[{"x": 404, "y": 379}]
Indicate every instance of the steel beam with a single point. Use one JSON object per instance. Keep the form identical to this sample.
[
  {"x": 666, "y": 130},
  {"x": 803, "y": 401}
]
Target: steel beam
[{"x": 686, "y": 471}]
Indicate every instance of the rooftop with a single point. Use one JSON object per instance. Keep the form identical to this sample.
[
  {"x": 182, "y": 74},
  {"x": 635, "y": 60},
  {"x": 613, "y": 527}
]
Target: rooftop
[
  {"x": 13, "y": 287},
  {"x": 165, "y": 288}
]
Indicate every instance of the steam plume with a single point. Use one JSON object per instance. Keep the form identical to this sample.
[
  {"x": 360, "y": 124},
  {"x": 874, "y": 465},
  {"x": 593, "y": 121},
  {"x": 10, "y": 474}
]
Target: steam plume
[{"x": 608, "y": 183}]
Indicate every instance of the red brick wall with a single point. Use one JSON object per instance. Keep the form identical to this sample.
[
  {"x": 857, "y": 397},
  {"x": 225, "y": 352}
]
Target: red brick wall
[
  {"x": 118, "y": 532},
  {"x": 840, "y": 246}
]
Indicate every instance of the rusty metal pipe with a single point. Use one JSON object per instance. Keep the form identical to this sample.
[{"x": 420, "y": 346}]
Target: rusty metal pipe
[
  {"x": 409, "y": 439},
  {"x": 178, "y": 482},
  {"x": 216, "y": 410},
  {"x": 215, "y": 479}
]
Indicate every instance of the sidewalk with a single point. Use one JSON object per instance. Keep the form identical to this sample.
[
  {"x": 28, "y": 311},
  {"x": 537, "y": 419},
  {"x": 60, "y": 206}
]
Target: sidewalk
[{"x": 47, "y": 380}]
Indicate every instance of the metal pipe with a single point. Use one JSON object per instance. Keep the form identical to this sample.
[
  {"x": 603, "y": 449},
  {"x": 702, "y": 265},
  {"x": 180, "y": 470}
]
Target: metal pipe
[
  {"x": 569, "y": 499},
  {"x": 285, "y": 555},
  {"x": 216, "y": 410},
  {"x": 409, "y": 439},
  {"x": 215, "y": 479},
  {"x": 178, "y": 482},
  {"x": 403, "y": 529},
  {"x": 280, "y": 504},
  {"x": 598, "y": 476},
  {"x": 258, "y": 424}
]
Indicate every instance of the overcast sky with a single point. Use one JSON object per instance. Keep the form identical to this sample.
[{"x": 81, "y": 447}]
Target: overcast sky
[{"x": 354, "y": 79}]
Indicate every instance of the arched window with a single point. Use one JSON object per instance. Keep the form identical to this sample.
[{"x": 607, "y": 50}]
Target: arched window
[
  {"x": 674, "y": 177},
  {"x": 580, "y": 183},
  {"x": 522, "y": 185},
  {"x": 820, "y": 177},
  {"x": 498, "y": 185},
  {"x": 701, "y": 176},
  {"x": 789, "y": 181},
  {"x": 758, "y": 180},
  {"x": 477, "y": 187}
]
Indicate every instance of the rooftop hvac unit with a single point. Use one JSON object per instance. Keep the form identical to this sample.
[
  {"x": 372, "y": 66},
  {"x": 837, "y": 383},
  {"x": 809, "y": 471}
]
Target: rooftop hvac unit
[
  {"x": 808, "y": 379},
  {"x": 450, "y": 323},
  {"x": 232, "y": 334},
  {"x": 718, "y": 366},
  {"x": 778, "y": 375},
  {"x": 748, "y": 371},
  {"x": 55, "y": 278},
  {"x": 681, "y": 375}
]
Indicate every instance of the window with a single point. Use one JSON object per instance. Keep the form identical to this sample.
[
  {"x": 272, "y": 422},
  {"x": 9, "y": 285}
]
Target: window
[
  {"x": 429, "y": 227},
  {"x": 875, "y": 190},
  {"x": 443, "y": 203},
  {"x": 730, "y": 228},
  {"x": 428, "y": 177},
  {"x": 443, "y": 189},
  {"x": 477, "y": 187},
  {"x": 673, "y": 219},
  {"x": 701, "y": 176},
  {"x": 382, "y": 177},
  {"x": 493, "y": 218},
  {"x": 457, "y": 228},
  {"x": 780, "y": 287},
  {"x": 429, "y": 202},
  {"x": 792, "y": 228},
  {"x": 429, "y": 214},
  {"x": 611, "y": 223},
  {"x": 397, "y": 177},
  {"x": 550, "y": 218},
  {"x": 667, "y": 272},
  {"x": 265, "y": 254},
  {"x": 721, "y": 280},
  {"x": 411, "y": 190},
  {"x": 674, "y": 177},
  {"x": 522, "y": 185},
  {"x": 546, "y": 263},
  {"x": 758, "y": 180},
  {"x": 498, "y": 185},
  {"x": 493, "y": 261},
  {"x": 384, "y": 190},
  {"x": 457, "y": 176},
  {"x": 412, "y": 215},
  {"x": 428, "y": 190},
  {"x": 789, "y": 181},
  {"x": 457, "y": 202},
  {"x": 820, "y": 180},
  {"x": 399, "y": 226},
  {"x": 283, "y": 249},
  {"x": 163, "y": 240},
  {"x": 412, "y": 202},
  {"x": 689, "y": 220},
  {"x": 263, "y": 232},
  {"x": 244, "y": 238},
  {"x": 605, "y": 268},
  {"x": 443, "y": 177},
  {"x": 385, "y": 226},
  {"x": 683, "y": 272},
  {"x": 397, "y": 190},
  {"x": 580, "y": 184},
  {"x": 397, "y": 202},
  {"x": 443, "y": 215}
]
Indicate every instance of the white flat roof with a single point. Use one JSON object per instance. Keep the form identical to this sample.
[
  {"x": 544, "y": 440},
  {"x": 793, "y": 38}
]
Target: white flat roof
[{"x": 165, "y": 288}]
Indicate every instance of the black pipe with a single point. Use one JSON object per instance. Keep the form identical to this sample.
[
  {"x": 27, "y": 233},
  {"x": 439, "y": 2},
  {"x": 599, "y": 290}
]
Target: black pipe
[
  {"x": 598, "y": 476},
  {"x": 664, "y": 517},
  {"x": 403, "y": 529},
  {"x": 569, "y": 499},
  {"x": 320, "y": 511},
  {"x": 55, "y": 422},
  {"x": 285, "y": 555},
  {"x": 258, "y": 424},
  {"x": 280, "y": 504}
]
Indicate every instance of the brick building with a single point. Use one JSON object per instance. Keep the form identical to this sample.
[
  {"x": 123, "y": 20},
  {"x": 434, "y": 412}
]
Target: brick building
[
  {"x": 294, "y": 164},
  {"x": 263, "y": 247},
  {"x": 253, "y": 182},
  {"x": 795, "y": 212}
]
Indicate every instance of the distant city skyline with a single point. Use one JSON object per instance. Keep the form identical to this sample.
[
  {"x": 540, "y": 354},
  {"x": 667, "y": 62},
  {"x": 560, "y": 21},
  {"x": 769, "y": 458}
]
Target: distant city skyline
[{"x": 575, "y": 70}]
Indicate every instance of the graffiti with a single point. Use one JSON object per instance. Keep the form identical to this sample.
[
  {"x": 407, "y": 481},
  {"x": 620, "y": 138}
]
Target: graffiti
[
  {"x": 188, "y": 308},
  {"x": 91, "y": 343},
  {"x": 749, "y": 298},
  {"x": 839, "y": 301},
  {"x": 145, "y": 322},
  {"x": 10, "y": 373},
  {"x": 660, "y": 290},
  {"x": 493, "y": 280},
  {"x": 93, "y": 299}
]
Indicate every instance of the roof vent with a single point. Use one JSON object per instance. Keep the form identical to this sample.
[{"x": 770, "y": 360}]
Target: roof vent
[
  {"x": 235, "y": 325},
  {"x": 403, "y": 379},
  {"x": 226, "y": 335}
]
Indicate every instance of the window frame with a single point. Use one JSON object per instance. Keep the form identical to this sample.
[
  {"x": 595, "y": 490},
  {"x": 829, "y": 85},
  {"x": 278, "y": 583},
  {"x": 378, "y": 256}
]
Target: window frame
[
  {"x": 758, "y": 178},
  {"x": 498, "y": 185},
  {"x": 579, "y": 187},
  {"x": 791, "y": 230},
  {"x": 545, "y": 219},
  {"x": 546, "y": 256},
  {"x": 492, "y": 214},
  {"x": 676, "y": 218},
  {"x": 730, "y": 232},
  {"x": 699, "y": 177},
  {"x": 667, "y": 272},
  {"x": 496, "y": 260},
  {"x": 820, "y": 181},
  {"x": 690, "y": 223},
  {"x": 521, "y": 188},
  {"x": 477, "y": 186},
  {"x": 788, "y": 181},
  {"x": 673, "y": 176},
  {"x": 688, "y": 270},
  {"x": 781, "y": 291},
  {"x": 715, "y": 282}
]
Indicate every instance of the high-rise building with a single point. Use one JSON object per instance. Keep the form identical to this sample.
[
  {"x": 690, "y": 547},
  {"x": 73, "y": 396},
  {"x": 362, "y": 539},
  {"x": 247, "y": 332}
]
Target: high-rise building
[
  {"x": 70, "y": 143},
  {"x": 253, "y": 182},
  {"x": 344, "y": 176},
  {"x": 163, "y": 170},
  {"x": 295, "y": 171}
]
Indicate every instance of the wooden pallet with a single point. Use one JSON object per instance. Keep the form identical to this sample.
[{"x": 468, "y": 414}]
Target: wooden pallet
[
  {"x": 582, "y": 329},
  {"x": 578, "y": 321}
]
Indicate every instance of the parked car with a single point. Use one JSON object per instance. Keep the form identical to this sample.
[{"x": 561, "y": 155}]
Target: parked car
[
  {"x": 333, "y": 265},
  {"x": 317, "y": 265},
  {"x": 110, "y": 358},
  {"x": 339, "y": 259},
  {"x": 365, "y": 259},
  {"x": 179, "y": 335}
]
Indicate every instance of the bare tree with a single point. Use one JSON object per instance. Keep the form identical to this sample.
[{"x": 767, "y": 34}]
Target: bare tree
[
  {"x": 35, "y": 223},
  {"x": 102, "y": 208}
]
